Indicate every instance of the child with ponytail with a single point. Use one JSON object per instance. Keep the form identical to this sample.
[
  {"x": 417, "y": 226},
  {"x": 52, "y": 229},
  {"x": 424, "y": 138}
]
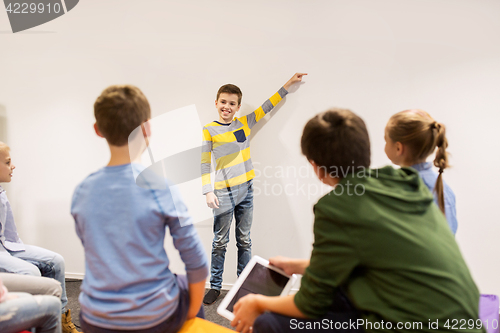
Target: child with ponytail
[{"x": 413, "y": 135}]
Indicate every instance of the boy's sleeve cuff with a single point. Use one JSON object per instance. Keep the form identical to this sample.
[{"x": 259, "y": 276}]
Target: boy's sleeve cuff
[
  {"x": 283, "y": 92},
  {"x": 197, "y": 275},
  {"x": 206, "y": 189}
]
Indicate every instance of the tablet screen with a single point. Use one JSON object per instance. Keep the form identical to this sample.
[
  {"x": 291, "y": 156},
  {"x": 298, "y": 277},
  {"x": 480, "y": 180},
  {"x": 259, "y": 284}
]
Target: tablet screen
[{"x": 260, "y": 280}]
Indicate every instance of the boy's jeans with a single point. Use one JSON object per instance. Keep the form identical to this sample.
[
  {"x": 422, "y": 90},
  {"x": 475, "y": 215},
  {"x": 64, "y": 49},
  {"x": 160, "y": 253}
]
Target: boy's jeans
[
  {"x": 27, "y": 311},
  {"x": 35, "y": 261},
  {"x": 238, "y": 200}
]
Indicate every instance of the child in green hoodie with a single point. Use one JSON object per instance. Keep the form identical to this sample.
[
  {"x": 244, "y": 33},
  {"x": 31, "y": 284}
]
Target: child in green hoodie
[{"x": 383, "y": 258}]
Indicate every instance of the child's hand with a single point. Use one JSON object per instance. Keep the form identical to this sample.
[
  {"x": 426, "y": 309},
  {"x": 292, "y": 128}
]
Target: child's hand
[
  {"x": 212, "y": 200},
  {"x": 246, "y": 310},
  {"x": 296, "y": 78},
  {"x": 290, "y": 266}
]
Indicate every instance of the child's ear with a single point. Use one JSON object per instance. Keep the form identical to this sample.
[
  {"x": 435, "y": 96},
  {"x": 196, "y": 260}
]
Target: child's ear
[
  {"x": 96, "y": 129},
  {"x": 400, "y": 149}
]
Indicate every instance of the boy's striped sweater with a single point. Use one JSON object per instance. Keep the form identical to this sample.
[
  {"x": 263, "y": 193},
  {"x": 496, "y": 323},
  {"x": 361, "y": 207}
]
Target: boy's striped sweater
[{"x": 230, "y": 145}]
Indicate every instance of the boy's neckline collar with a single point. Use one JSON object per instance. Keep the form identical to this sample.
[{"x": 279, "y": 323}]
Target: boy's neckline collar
[{"x": 223, "y": 124}]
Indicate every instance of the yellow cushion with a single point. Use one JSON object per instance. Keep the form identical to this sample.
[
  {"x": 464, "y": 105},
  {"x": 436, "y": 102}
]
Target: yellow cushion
[{"x": 198, "y": 325}]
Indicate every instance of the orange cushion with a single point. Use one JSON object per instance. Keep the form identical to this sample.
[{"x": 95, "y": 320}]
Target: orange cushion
[{"x": 198, "y": 325}]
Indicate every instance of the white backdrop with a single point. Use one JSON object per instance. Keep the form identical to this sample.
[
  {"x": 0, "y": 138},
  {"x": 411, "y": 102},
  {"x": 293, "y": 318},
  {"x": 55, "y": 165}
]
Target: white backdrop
[{"x": 374, "y": 57}]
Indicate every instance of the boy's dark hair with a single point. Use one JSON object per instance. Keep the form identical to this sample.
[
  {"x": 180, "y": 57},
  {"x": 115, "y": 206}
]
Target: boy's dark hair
[
  {"x": 119, "y": 110},
  {"x": 230, "y": 89},
  {"x": 337, "y": 139}
]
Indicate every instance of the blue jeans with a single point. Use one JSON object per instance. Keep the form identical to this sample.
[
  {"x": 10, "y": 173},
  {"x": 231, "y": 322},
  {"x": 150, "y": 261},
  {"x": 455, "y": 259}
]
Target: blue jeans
[
  {"x": 170, "y": 325},
  {"x": 27, "y": 311},
  {"x": 237, "y": 200},
  {"x": 35, "y": 261}
]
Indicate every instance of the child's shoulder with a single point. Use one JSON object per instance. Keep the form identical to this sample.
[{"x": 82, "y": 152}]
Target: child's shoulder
[{"x": 92, "y": 176}]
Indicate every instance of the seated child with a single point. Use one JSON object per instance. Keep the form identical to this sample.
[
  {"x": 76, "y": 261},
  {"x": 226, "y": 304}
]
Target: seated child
[
  {"x": 411, "y": 137},
  {"x": 383, "y": 257},
  {"x": 17, "y": 257},
  {"x": 122, "y": 226},
  {"x": 22, "y": 311}
]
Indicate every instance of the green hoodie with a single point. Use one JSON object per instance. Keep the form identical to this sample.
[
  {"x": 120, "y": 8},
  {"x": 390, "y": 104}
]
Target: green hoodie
[{"x": 380, "y": 237}]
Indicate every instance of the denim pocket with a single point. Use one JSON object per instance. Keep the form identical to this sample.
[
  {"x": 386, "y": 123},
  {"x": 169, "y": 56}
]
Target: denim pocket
[
  {"x": 240, "y": 135},
  {"x": 250, "y": 185}
]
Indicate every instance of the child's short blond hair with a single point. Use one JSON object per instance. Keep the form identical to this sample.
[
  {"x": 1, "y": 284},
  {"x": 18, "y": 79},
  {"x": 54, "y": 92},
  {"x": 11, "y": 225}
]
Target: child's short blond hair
[
  {"x": 4, "y": 147},
  {"x": 119, "y": 110}
]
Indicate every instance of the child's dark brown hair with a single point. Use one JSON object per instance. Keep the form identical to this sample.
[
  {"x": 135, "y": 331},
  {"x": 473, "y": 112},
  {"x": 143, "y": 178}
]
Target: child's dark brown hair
[
  {"x": 421, "y": 134},
  {"x": 230, "y": 89},
  {"x": 337, "y": 139}
]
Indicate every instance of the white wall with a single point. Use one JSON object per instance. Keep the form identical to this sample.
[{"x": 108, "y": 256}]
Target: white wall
[{"x": 375, "y": 57}]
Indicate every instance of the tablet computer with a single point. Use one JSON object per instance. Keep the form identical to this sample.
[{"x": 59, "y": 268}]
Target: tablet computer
[{"x": 258, "y": 277}]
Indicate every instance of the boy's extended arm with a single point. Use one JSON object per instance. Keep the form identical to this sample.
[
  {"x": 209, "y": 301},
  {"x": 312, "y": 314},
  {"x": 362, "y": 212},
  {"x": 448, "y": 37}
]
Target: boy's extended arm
[
  {"x": 254, "y": 117},
  {"x": 297, "y": 77}
]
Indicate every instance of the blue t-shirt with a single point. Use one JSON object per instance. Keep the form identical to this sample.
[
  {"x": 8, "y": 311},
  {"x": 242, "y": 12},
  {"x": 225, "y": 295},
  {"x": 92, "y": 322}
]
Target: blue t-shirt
[
  {"x": 429, "y": 176},
  {"x": 9, "y": 239},
  {"x": 122, "y": 226}
]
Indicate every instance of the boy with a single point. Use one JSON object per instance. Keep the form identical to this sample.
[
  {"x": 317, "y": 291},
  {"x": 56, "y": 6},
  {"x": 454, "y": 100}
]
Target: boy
[
  {"x": 229, "y": 141},
  {"x": 127, "y": 284},
  {"x": 383, "y": 258},
  {"x": 17, "y": 257}
]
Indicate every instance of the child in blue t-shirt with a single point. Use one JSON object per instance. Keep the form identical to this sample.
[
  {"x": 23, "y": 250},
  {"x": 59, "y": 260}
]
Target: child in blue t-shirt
[
  {"x": 413, "y": 135},
  {"x": 122, "y": 226}
]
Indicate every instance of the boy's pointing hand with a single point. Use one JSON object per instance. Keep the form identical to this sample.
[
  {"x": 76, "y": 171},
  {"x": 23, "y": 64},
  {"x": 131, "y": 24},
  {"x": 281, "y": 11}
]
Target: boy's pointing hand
[{"x": 297, "y": 77}]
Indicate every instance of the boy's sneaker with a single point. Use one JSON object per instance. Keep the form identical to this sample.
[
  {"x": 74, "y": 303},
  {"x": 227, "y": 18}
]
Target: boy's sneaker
[
  {"x": 211, "y": 296},
  {"x": 67, "y": 324}
]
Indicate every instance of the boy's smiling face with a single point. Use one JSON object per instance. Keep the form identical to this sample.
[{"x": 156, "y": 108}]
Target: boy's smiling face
[
  {"x": 6, "y": 167},
  {"x": 227, "y": 105}
]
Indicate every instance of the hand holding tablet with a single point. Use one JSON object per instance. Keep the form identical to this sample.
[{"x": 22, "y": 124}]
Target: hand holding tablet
[{"x": 258, "y": 277}]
